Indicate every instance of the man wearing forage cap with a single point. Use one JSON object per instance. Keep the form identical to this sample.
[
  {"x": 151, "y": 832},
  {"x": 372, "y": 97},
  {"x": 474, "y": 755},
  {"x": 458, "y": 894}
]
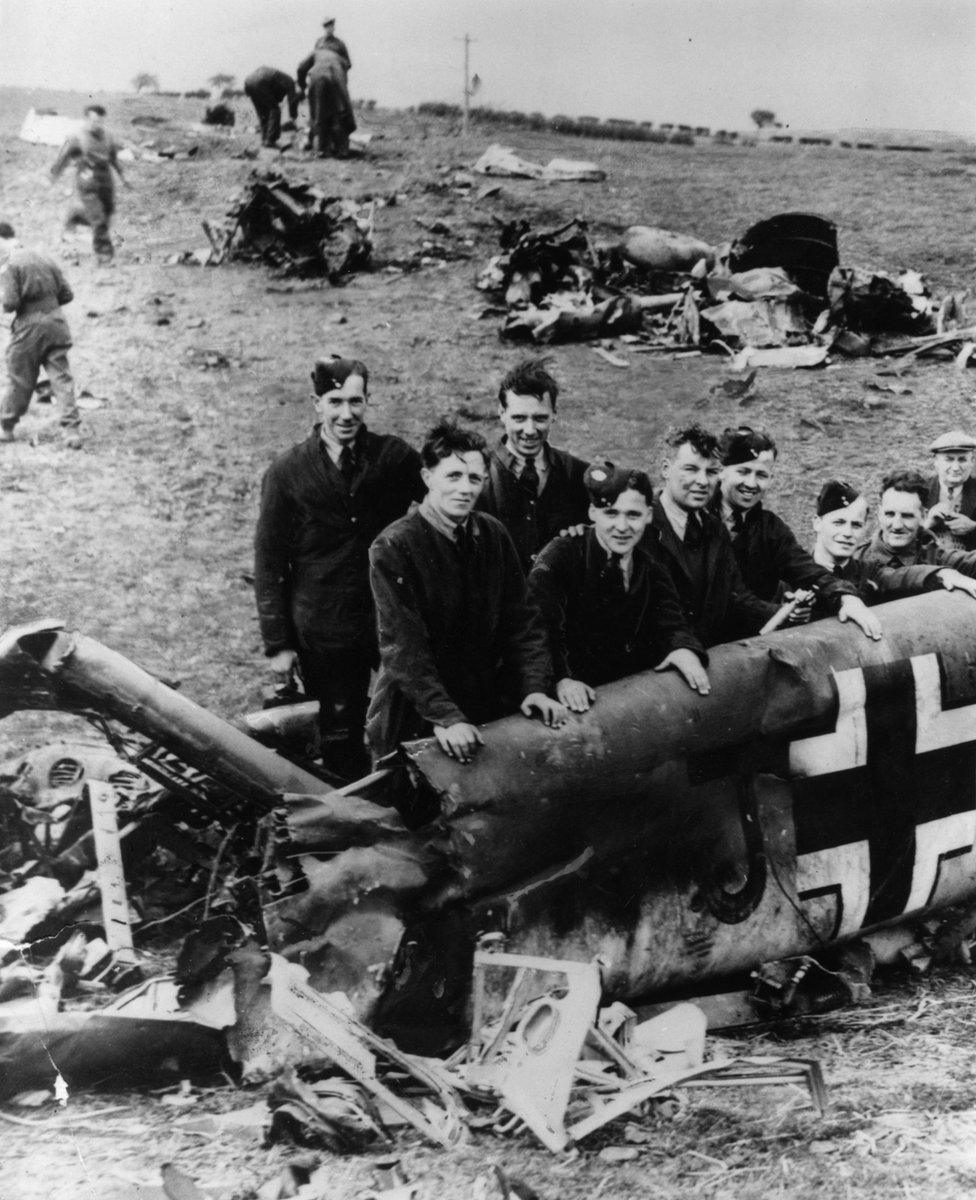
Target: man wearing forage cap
[
  {"x": 329, "y": 41},
  {"x": 322, "y": 504},
  {"x": 842, "y": 515},
  {"x": 765, "y": 547},
  {"x": 952, "y": 491},
  {"x": 609, "y": 608}
]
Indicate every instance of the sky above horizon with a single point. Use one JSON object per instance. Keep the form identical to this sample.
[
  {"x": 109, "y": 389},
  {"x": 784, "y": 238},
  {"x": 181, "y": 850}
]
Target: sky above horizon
[{"x": 815, "y": 63}]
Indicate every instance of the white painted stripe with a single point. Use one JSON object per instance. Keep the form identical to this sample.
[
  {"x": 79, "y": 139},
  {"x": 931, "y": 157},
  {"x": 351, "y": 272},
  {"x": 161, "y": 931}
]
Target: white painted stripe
[
  {"x": 937, "y": 729},
  {"x": 932, "y": 839},
  {"x": 847, "y": 867},
  {"x": 111, "y": 880},
  {"x": 847, "y": 746}
]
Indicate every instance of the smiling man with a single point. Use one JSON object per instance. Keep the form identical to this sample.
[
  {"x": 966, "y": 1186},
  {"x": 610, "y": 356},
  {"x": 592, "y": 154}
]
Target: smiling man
[
  {"x": 842, "y": 516},
  {"x": 901, "y": 539},
  {"x": 951, "y": 497},
  {"x": 459, "y": 643},
  {"x": 766, "y": 549},
  {"x": 609, "y": 608},
  {"x": 322, "y": 503},
  {"x": 693, "y": 545},
  {"x": 534, "y": 489}
]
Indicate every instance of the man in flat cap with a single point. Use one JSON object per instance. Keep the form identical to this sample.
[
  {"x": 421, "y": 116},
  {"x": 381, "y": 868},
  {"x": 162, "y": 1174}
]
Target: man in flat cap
[
  {"x": 535, "y": 490},
  {"x": 952, "y": 491},
  {"x": 901, "y": 539},
  {"x": 329, "y": 41},
  {"x": 693, "y": 545},
  {"x": 842, "y": 516},
  {"x": 266, "y": 88},
  {"x": 459, "y": 643},
  {"x": 766, "y": 549},
  {"x": 322, "y": 504},
  {"x": 609, "y": 608}
]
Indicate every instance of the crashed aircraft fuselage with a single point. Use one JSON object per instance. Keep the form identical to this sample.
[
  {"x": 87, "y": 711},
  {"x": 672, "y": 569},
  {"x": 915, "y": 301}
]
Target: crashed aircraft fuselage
[{"x": 826, "y": 786}]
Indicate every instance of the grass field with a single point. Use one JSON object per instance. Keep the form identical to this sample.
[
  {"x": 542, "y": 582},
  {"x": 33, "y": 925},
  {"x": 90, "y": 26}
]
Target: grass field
[{"x": 143, "y": 540}]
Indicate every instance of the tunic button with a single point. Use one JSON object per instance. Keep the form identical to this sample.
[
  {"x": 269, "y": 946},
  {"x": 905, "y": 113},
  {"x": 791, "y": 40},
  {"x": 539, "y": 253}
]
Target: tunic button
[{"x": 353, "y": 519}]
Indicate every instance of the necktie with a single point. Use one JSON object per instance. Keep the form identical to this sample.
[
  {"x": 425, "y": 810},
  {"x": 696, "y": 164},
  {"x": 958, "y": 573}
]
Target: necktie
[
  {"x": 529, "y": 479},
  {"x": 738, "y": 522},
  {"x": 462, "y": 539},
  {"x": 347, "y": 464},
  {"x": 693, "y": 532}
]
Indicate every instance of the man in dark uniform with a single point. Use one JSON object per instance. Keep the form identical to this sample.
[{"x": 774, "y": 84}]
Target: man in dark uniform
[
  {"x": 951, "y": 499},
  {"x": 322, "y": 504},
  {"x": 33, "y": 289},
  {"x": 330, "y": 115},
  {"x": 842, "y": 516},
  {"x": 95, "y": 153},
  {"x": 329, "y": 41},
  {"x": 693, "y": 545},
  {"x": 266, "y": 88},
  {"x": 535, "y": 490},
  {"x": 766, "y": 549},
  {"x": 901, "y": 539},
  {"x": 609, "y": 608},
  {"x": 459, "y": 644}
]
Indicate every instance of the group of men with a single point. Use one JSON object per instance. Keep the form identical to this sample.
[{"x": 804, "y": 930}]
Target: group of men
[
  {"x": 322, "y": 76},
  {"x": 478, "y": 582}
]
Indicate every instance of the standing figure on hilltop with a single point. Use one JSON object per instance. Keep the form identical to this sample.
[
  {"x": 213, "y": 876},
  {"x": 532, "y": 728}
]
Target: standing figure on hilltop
[
  {"x": 95, "y": 153},
  {"x": 266, "y": 87},
  {"x": 330, "y": 115},
  {"x": 33, "y": 289},
  {"x": 329, "y": 41}
]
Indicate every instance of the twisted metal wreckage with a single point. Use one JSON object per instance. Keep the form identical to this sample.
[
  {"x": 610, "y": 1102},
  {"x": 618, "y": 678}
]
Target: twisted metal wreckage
[{"x": 824, "y": 790}]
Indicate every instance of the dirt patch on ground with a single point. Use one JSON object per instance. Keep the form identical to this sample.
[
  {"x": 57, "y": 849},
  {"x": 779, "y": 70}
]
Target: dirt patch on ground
[{"x": 144, "y": 541}]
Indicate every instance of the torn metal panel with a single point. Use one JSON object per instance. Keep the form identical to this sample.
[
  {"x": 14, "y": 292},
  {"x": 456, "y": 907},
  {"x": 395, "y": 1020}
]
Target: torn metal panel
[{"x": 803, "y": 244}]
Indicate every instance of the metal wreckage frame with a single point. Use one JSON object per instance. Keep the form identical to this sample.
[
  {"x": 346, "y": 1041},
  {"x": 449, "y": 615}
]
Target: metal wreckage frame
[{"x": 825, "y": 789}]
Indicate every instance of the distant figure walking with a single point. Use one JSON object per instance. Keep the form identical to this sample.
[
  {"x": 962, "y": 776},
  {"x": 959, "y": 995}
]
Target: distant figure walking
[
  {"x": 95, "y": 153},
  {"x": 266, "y": 88},
  {"x": 330, "y": 115},
  {"x": 33, "y": 288}
]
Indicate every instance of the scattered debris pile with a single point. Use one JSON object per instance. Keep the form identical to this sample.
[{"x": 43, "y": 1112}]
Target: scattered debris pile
[
  {"x": 777, "y": 296},
  {"x": 504, "y": 162},
  {"x": 292, "y": 227}
]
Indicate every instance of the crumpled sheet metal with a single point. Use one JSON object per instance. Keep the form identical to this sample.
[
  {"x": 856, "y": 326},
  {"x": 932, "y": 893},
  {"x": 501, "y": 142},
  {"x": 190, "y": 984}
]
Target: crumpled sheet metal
[{"x": 504, "y": 162}]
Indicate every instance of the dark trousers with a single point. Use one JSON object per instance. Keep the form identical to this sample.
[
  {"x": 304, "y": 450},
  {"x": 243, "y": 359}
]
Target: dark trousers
[
  {"x": 94, "y": 207},
  {"x": 269, "y": 115},
  {"x": 339, "y": 680},
  {"x": 43, "y": 344}
]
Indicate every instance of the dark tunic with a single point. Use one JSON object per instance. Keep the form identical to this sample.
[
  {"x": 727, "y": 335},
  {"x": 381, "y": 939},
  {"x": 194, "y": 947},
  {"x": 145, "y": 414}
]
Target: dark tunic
[
  {"x": 329, "y": 41},
  {"x": 331, "y": 118},
  {"x": 923, "y": 551},
  {"x": 458, "y": 639},
  {"x": 266, "y": 87},
  {"x": 311, "y": 568},
  {"x": 533, "y": 523},
  {"x": 716, "y": 603},
  {"x": 967, "y": 506},
  {"x": 597, "y": 631},
  {"x": 769, "y": 555},
  {"x": 876, "y": 584}
]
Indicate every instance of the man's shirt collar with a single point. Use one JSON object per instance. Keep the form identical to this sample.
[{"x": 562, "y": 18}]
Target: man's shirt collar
[
  {"x": 440, "y": 522},
  {"x": 677, "y": 515}
]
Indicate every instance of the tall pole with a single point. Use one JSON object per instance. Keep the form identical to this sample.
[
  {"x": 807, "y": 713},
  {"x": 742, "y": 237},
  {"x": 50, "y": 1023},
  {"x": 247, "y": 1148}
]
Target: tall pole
[{"x": 467, "y": 86}]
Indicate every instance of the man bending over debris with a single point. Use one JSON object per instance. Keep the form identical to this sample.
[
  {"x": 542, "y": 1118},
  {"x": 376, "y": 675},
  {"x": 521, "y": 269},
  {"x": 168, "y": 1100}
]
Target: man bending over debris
[
  {"x": 459, "y": 644},
  {"x": 842, "y": 515},
  {"x": 610, "y": 609},
  {"x": 534, "y": 489},
  {"x": 330, "y": 115},
  {"x": 901, "y": 539},
  {"x": 694, "y": 547},
  {"x": 765, "y": 547},
  {"x": 33, "y": 288},
  {"x": 266, "y": 87},
  {"x": 95, "y": 153},
  {"x": 322, "y": 503}
]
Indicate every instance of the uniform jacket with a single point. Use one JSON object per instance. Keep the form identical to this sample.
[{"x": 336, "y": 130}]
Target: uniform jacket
[
  {"x": 924, "y": 551},
  {"x": 33, "y": 288},
  {"x": 95, "y": 153},
  {"x": 337, "y": 46},
  {"x": 458, "y": 639},
  {"x": 311, "y": 572},
  {"x": 597, "y": 631},
  {"x": 564, "y": 500},
  {"x": 271, "y": 86},
  {"x": 967, "y": 507},
  {"x": 728, "y": 609},
  {"x": 877, "y": 584},
  {"x": 769, "y": 555}
]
